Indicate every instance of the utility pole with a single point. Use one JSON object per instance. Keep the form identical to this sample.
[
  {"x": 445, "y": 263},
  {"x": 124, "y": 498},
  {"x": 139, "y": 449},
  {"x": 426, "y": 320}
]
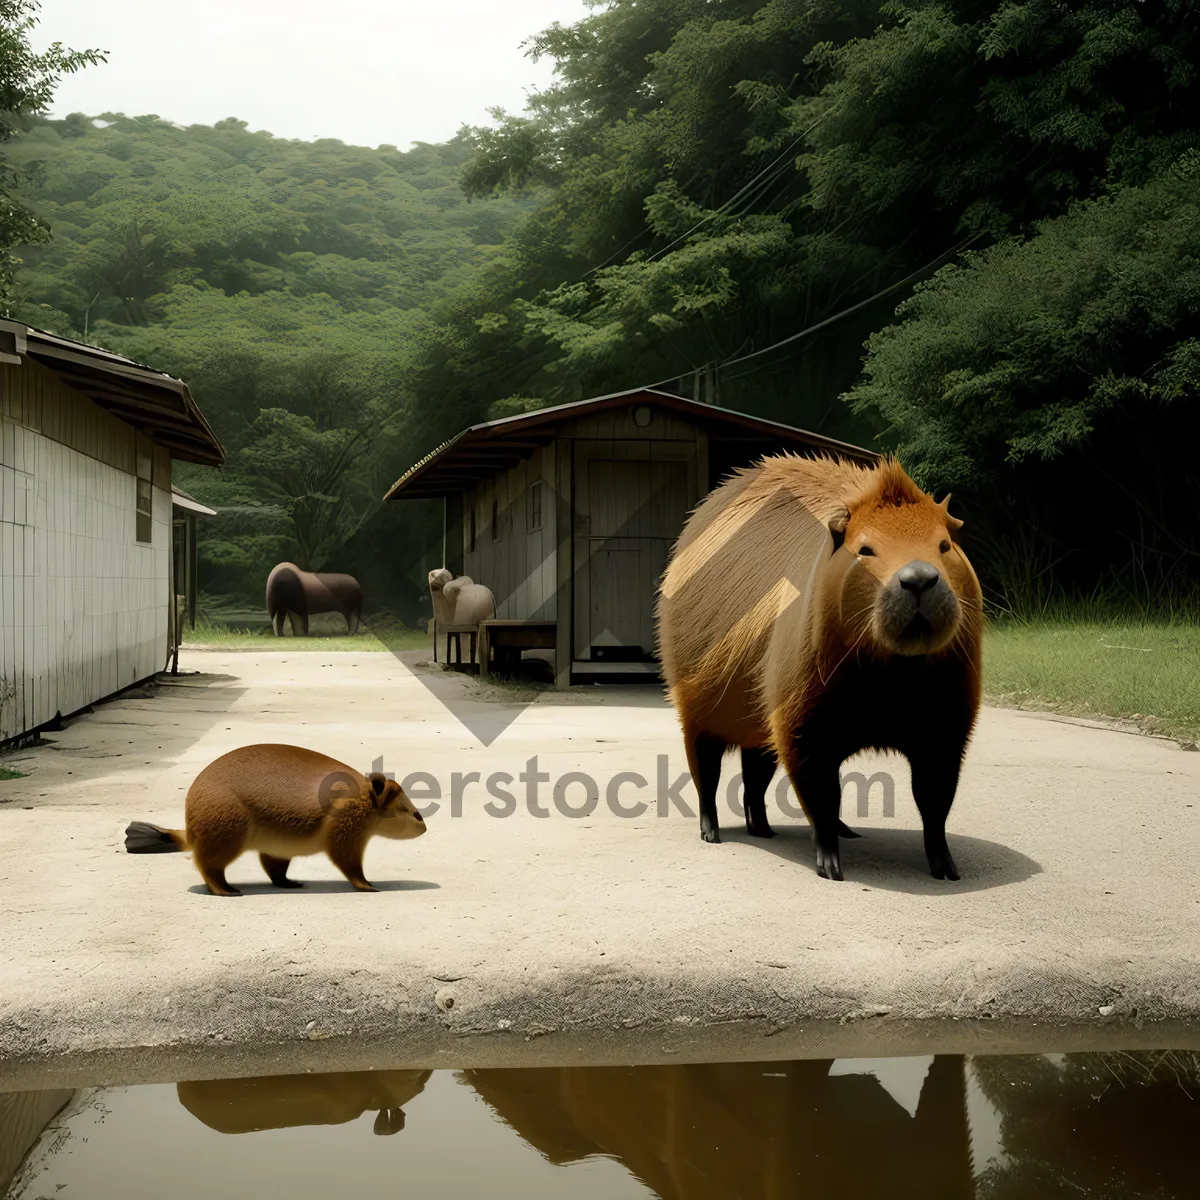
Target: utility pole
[{"x": 706, "y": 385}]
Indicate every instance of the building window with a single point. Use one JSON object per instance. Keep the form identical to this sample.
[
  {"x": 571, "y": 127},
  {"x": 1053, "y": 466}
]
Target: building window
[
  {"x": 535, "y": 505},
  {"x": 495, "y": 519},
  {"x": 145, "y": 498}
]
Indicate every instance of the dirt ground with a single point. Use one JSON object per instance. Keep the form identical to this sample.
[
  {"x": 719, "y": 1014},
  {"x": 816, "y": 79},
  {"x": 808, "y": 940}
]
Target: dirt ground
[{"x": 545, "y": 937}]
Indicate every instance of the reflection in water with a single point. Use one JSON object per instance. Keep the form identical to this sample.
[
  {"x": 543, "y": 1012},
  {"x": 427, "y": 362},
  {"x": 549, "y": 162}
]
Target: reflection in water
[
  {"x": 284, "y": 1101},
  {"x": 1117, "y": 1126},
  {"x": 768, "y": 1130},
  {"x": 23, "y": 1117}
]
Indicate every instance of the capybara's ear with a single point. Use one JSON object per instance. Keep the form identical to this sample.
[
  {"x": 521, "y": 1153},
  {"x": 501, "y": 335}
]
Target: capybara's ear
[
  {"x": 837, "y": 526},
  {"x": 378, "y": 784},
  {"x": 952, "y": 523}
]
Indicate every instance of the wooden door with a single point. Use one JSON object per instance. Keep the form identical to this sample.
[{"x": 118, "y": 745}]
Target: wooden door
[{"x": 629, "y": 511}]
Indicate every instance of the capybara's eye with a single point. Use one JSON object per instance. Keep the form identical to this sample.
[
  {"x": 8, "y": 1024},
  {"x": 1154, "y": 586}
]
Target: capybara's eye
[
  {"x": 866, "y": 552},
  {"x": 944, "y": 548}
]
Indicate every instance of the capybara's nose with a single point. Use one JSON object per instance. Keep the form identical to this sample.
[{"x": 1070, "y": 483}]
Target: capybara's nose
[
  {"x": 417, "y": 816},
  {"x": 917, "y": 577}
]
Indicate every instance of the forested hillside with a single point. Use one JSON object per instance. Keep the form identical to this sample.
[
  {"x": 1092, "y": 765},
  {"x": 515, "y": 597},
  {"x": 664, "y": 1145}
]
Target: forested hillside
[
  {"x": 290, "y": 283},
  {"x": 735, "y": 192},
  {"x": 753, "y": 187}
]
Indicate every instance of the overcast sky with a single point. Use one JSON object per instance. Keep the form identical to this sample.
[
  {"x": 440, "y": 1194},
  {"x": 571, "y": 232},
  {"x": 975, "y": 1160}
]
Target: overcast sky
[{"x": 365, "y": 71}]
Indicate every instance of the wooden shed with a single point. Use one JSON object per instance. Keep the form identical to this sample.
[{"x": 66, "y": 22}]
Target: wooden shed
[
  {"x": 569, "y": 513},
  {"x": 87, "y": 439}
]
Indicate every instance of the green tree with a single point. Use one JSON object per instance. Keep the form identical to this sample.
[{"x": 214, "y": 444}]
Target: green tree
[
  {"x": 1056, "y": 379},
  {"x": 291, "y": 284},
  {"x": 757, "y": 185},
  {"x": 27, "y": 83},
  {"x": 717, "y": 177}
]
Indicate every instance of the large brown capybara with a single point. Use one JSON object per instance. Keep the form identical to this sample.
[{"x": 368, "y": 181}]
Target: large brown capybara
[
  {"x": 298, "y": 595},
  {"x": 814, "y": 608}
]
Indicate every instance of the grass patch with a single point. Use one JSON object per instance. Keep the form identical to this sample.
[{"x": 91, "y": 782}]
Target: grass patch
[
  {"x": 1141, "y": 671},
  {"x": 380, "y": 634}
]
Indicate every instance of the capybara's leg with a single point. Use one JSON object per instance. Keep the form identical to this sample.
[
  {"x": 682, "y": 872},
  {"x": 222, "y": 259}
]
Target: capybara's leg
[
  {"x": 352, "y": 620},
  {"x": 758, "y": 768},
  {"x": 217, "y": 835},
  {"x": 347, "y": 854},
  {"x": 277, "y": 871},
  {"x": 214, "y": 877},
  {"x": 278, "y": 620},
  {"x": 704, "y": 754},
  {"x": 934, "y": 782},
  {"x": 819, "y": 788}
]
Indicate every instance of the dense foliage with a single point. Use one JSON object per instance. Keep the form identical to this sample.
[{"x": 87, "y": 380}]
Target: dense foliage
[
  {"x": 730, "y": 196},
  {"x": 27, "y": 83},
  {"x": 728, "y": 175},
  {"x": 289, "y": 283},
  {"x": 1057, "y": 379}
]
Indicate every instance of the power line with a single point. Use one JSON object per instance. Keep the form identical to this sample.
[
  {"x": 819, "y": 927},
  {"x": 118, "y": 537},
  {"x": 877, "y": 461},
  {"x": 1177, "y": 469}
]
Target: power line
[
  {"x": 772, "y": 165},
  {"x": 776, "y": 165},
  {"x": 795, "y": 337}
]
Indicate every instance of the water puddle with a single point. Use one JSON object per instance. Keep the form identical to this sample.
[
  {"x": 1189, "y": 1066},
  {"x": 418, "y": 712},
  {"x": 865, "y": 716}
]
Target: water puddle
[{"x": 1094, "y": 1125}]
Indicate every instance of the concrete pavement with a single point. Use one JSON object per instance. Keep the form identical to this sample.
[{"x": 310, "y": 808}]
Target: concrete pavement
[{"x": 522, "y": 938}]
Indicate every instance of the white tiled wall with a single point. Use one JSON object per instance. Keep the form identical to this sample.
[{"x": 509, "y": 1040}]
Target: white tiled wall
[{"x": 83, "y": 604}]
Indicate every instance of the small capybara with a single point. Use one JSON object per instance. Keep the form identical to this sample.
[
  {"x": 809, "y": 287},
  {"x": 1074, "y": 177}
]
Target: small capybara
[
  {"x": 288, "y": 1101},
  {"x": 813, "y": 608},
  {"x": 285, "y": 802}
]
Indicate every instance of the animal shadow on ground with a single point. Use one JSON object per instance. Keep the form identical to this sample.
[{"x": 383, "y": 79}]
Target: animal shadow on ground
[
  {"x": 318, "y": 887},
  {"x": 893, "y": 860}
]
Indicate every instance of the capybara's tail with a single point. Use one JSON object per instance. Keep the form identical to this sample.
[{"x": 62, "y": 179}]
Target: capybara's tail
[{"x": 143, "y": 838}]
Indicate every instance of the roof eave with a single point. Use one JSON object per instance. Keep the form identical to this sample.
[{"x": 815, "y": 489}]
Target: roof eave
[
  {"x": 156, "y": 404},
  {"x": 483, "y": 435}
]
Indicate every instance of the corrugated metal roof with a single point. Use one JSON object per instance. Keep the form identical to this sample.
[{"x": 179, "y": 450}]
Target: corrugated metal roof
[
  {"x": 480, "y": 451},
  {"x": 157, "y": 404},
  {"x": 180, "y": 499}
]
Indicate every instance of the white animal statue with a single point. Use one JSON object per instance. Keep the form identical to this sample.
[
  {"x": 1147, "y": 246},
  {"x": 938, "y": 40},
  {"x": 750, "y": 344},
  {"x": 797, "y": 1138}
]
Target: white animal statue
[{"x": 459, "y": 600}]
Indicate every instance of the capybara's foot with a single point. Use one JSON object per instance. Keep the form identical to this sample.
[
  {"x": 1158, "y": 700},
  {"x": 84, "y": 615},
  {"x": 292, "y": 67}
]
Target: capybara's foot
[
  {"x": 760, "y": 829},
  {"x": 277, "y": 871},
  {"x": 216, "y": 883},
  {"x": 389, "y": 1120},
  {"x": 829, "y": 863},
  {"x": 710, "y": 832},
  {"x": 941, "y": 865},
  {"x": 845, "y": 831},
  {"x": 361, "y": 885}
]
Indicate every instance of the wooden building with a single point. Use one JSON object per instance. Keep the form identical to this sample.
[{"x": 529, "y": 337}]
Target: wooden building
[
  {"x": 184, "y": 574},
  {"x": 569, "y": 513},
  {"x": 87, "y": 439}
]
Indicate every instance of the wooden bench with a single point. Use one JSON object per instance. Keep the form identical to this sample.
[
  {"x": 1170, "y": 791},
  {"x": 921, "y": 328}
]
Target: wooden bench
[{"x": 508, "y": 636}]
